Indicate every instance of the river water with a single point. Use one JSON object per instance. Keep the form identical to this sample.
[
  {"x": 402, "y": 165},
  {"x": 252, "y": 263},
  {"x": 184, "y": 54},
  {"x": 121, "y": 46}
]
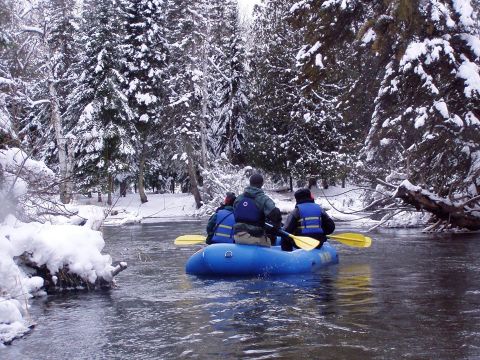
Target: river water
[{"x": 409, "y": 296}]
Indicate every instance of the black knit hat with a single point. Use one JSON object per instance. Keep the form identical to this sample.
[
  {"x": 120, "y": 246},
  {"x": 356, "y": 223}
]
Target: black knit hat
[
  {"x": 256, "y": 180},
  {"x": 230, "y": 198},
  {"x": 303, "y": 194}
]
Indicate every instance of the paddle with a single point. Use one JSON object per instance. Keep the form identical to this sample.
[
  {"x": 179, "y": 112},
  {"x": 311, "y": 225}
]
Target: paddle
[
  {"x": 303, "y": 242},
  {"x": 185, "y": 240},
  {"x": 350, "y": 239}
]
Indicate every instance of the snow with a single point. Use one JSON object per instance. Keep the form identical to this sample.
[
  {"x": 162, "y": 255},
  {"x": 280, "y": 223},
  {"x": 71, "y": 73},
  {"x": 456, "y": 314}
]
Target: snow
[
  {"x": 14, "y": 161},
  {"x": 465, "y": 10},
  {"x": 369, "y": 36},
  {"x": 143, "y": 118},
  {"x": 303, "y": 54},
  {"x": 343, "y": 3},
  {"x": 56, "y": 242},
  {"x": 300, "y": 5},
  {"x": 473, "y": 42},
  {"x": 146, "y": 99},
  {"x": 54, "y": 246},
  {"x": 439, "y": 10},
  {"x": 442, "y": 108},
  {"x": 422, "y": 116},
  {"x": 469, "y": 71},
  {"x": 160, "y": 207},
  {"x": 318, "y": 61}
]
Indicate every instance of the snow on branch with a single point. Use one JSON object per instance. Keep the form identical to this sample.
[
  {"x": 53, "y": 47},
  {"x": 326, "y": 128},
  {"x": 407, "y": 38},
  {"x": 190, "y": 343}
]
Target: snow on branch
[{"x": 33, "y": 29}]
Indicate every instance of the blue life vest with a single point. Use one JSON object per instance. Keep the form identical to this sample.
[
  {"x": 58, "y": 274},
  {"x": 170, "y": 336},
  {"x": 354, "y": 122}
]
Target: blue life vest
[
  {"x": 223, "y": 232},
  {"x": 246, "y": 211},
  {"x": 310, "y": 221}
]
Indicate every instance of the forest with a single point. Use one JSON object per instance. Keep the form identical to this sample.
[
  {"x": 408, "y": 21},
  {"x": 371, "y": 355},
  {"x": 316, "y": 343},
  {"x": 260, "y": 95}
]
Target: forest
[{"x": 110, "y": 93}]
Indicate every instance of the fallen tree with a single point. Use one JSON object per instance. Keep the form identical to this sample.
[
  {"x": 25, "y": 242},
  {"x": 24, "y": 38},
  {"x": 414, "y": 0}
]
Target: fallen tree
[
  {"x": 462, "y": 214},
  {"x": 64, "y": 279}
]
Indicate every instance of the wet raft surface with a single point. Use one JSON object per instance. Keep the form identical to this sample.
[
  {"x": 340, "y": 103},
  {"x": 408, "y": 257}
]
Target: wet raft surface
[{"x": 410, "y": 295}]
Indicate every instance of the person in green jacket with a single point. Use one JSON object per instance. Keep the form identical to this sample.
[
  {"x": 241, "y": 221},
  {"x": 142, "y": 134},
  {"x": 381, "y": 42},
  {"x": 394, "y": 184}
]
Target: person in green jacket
[{"x": 252, "y": 210}]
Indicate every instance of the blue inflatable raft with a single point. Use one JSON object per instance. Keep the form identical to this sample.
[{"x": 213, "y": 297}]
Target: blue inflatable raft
[{"x": 239, "y": 260}]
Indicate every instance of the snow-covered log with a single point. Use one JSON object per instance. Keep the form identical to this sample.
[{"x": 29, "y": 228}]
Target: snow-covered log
[
  {"x": 465, "y": 214},
  {"x": 65, "y": 279}
]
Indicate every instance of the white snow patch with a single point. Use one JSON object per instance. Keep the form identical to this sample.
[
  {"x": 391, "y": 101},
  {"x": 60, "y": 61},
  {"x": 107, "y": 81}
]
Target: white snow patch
[
  {"x": 469, "y": 71},
  {"x": 465, "y": 10},
  {"x": 473, "y": 42},
  {"x": 442, "y": 108},
  {"x": 369, "y": 36}
]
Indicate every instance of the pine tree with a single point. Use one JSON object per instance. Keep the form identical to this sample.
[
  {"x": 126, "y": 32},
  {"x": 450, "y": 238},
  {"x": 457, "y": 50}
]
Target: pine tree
[
  {"x": 189, "y": 87},
  {"x": 337, "y": 75},
  {"x": 104, "y": 129},
  {"x": 145, "y": 72},
  {"x": 426, "y": 125},
  {"x": 227, "y": 134},
  {"x": 273, "y": 93}
]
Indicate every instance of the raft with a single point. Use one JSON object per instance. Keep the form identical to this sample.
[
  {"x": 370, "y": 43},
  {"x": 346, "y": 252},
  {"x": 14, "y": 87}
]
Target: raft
[{"x": 241, "y": 260}]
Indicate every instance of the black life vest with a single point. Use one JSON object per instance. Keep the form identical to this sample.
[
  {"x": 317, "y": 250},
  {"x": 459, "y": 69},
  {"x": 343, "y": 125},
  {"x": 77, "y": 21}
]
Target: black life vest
[{"x": 246, "y": 211}]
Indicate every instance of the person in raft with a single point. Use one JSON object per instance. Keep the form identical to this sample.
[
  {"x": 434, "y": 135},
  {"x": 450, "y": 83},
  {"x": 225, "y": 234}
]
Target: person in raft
[
  {"x": 307, "y": 219},
  {"x": 220, "y": 224},
  {"x": 252, "y": 209}
]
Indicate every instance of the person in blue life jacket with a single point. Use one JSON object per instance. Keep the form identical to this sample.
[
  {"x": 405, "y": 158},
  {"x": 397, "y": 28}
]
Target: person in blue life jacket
[
  {"x": 220, "y": 224},
  {"x": 252, "y": 209},
  {"x": 307, "y": 219}
]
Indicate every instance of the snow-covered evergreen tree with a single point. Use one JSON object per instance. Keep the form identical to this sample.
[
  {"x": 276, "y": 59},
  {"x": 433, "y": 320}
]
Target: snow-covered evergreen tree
[
  {"x": 145, "y": 71},
  {"x": 231, "y": 108},
  {"x": 104, "y": 128},
  {"x": 337, "y": 75},
  {"x": 189, "y": 100},
  {"x": 426, "y": 123}
]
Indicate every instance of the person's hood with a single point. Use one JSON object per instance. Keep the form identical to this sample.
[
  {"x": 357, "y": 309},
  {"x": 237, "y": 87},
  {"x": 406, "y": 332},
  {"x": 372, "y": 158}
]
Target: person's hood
[{"x": 253, "y": 191}]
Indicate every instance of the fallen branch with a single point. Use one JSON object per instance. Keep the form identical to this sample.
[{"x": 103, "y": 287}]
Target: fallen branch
[{"x": 455, "y": 214}]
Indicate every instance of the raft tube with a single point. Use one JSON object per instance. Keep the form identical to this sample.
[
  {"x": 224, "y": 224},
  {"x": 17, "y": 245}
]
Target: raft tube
[{"x": 240, "y": 260}]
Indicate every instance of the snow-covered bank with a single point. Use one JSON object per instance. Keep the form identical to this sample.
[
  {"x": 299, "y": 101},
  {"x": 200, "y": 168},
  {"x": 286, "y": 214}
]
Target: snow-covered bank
[
  {"x": 342, "y": 204},
  {"x": 160, "y": 207},
  {"x": 60, "y": 243},
  {"x": 53, "y": 246}
]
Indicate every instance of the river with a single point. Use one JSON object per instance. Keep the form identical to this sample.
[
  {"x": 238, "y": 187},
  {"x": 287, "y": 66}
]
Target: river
[{"x": 409, "y": 296}]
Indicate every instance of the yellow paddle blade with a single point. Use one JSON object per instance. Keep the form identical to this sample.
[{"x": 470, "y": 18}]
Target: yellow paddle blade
[
  {"x": 186, "y": 240},
  {"x": 305, "y": 242},
  {"x": 352, "y": 239}
]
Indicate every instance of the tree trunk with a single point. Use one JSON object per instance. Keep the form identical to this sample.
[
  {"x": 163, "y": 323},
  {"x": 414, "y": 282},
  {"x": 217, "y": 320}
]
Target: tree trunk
[
  {"x": 203, "y": 128},
  {"x": 325, "y": 183},
  {"x": 291, "y": 183},
  {"x": 192, "y": 175},
  {"x": 109, "y": 187},
  {"x": 459, "y": 215},
  {"x": 123, "y": 188},
  {"x": 141, "y": 169},
  {"x": 65, "y": 184},
  {"x": 99, "y": 196}
]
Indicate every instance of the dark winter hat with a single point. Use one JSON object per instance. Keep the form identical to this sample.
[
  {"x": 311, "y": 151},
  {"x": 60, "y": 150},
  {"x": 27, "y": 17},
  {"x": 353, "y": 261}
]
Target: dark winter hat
[
  {"x": 303, "y": 194},
  {"x": 230, "y": 198},
  {"x": 256, "y": 180}
]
